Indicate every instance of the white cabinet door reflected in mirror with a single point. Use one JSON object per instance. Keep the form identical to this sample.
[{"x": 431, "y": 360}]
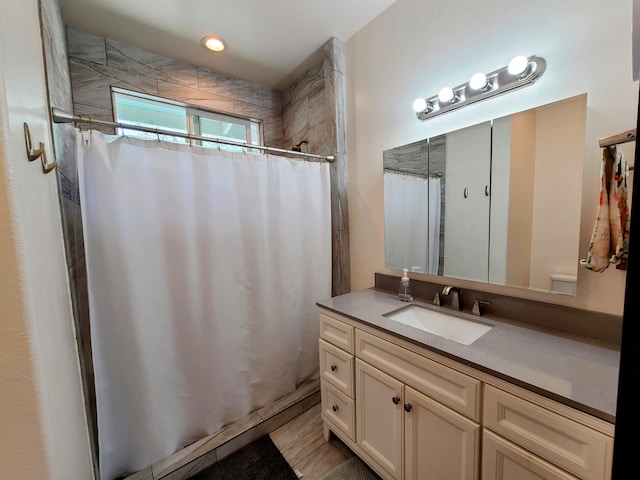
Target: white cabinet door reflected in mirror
[
  {"x": 509, "y": 204},
  {"x": 468, "y": 167}
]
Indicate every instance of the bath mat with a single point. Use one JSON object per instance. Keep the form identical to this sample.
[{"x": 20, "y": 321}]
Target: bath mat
[
  {"x": 352, "y": 469},
  {"x": 260, "y": 460}
]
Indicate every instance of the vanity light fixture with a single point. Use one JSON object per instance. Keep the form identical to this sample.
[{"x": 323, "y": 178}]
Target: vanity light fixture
[
  {"x": 213, "y": 43},
  {"x": 521, "y": 72},
  {"x": 518, "y": 66},
  {"x": 478, "y": 81},
  {"x": 446, "y": 95},
  {"x": 420, "y": 104}
]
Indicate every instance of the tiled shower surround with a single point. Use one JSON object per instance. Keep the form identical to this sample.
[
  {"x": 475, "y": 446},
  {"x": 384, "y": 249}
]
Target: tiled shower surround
[
  {"x": 97, "y": 64},
  {"x": 312, "y": 109}
]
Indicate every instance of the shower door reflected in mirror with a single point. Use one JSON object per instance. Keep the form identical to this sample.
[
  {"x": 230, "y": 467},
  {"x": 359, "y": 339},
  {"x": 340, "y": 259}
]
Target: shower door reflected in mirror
[{"x": 509, "y": 203}]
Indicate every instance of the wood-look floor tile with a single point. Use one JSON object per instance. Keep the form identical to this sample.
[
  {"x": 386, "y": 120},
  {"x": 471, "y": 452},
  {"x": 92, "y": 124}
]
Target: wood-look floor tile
[
  {"x": 302, "y": 392},
  {"x": 300, "y": 437},
  {"x": 258, "y": 431},
  {"x": 205, "y": 445},
  {"x": 311, "y": 401},
  {"x": 340, "y": 445},
  {"x": 320, "y": 461},
  {"x": 190, "y": 469},
  {"x": 145, "y": 474}
]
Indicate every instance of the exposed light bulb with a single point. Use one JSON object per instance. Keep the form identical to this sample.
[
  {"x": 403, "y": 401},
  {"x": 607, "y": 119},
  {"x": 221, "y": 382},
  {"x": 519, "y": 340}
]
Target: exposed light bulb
[
  {"x": 518, "y": 65},
  {"x": 445, "y": 95},
  {"x": 478, "y": 81},
  {"x": 420, "y": 104},
  {"x": 213, "y": 43}
]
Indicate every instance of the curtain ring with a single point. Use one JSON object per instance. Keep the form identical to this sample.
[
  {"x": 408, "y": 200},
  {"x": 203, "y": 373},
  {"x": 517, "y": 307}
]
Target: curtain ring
[{"x": 90, "y": 125}]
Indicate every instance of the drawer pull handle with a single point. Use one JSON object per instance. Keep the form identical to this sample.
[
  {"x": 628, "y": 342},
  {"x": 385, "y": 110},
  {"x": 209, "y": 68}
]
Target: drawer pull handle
[
  {"x": 395, "y": 400},
  {"x": 335, "y": 408},
  {"x": 333, "y": 368},
  {"x": 407, "y": 407}
]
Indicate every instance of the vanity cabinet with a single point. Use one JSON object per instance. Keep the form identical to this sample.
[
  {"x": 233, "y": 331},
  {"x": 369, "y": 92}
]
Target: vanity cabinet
[
  {"x": 379, "y": 418},
  {"x": 503, "y": 460},
  {"x": 336, "y": 376},
  {"x": 412, "y": 414},
  {"x": 439, "y": 443},
  {"x": 570, "y": 445},
  {"x": 398, "y": 406}
]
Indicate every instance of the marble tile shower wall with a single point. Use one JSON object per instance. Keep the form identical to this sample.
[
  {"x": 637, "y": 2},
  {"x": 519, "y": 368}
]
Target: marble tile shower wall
[
  {"x": 97, "y": 64},
  {"x": 304, "y": 112},
  {"x": 59, "y": 93}
]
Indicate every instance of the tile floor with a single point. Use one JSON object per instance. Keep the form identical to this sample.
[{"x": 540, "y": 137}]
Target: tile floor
[
  {"x": 302, "y": 444},
  {"x": 295, "y": 427}
]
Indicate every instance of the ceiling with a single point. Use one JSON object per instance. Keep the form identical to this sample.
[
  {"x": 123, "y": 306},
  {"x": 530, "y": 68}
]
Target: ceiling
[{"x": 268, "y": 42}]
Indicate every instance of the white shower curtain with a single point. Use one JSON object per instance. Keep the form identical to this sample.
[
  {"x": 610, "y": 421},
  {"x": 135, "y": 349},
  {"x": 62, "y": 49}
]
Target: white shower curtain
[
  {"x": 204, "y": 267},
  {"x": 412, "y": 222}
]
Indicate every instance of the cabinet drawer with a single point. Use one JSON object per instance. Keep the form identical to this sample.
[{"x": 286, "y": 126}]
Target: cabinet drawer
[
  {"x": 502, "y": 460},
  {"x": 564, "y": 442},
  {"x": 338, "y": 409},
  {"x": 336, "y": 332},
  {"x": 336, "y": 366},
  {"x": 456, "y": 390}
]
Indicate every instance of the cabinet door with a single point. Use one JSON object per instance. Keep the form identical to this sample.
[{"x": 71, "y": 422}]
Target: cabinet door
[
  {"x": 467, "y": 181},
  {"x": 440, "y": 444},
  {"x": 379, "y": 409},
  {"x": 503, "y": 460}
]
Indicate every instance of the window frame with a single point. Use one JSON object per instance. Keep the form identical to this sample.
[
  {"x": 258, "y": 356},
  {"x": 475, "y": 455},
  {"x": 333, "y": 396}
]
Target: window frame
[{"x": 253, "y": 126}]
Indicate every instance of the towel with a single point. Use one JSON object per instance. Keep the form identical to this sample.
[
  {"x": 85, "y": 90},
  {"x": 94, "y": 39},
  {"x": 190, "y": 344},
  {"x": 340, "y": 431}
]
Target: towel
[{"x": 610, "y": 238}]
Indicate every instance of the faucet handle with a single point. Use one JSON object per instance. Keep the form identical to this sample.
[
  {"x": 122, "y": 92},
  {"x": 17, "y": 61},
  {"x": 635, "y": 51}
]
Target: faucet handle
[
  {"x": 436, "y": 298},
  {"x": 476, "y": 310}
]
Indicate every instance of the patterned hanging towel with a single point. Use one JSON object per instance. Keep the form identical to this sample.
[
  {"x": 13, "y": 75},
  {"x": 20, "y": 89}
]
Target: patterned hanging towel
[{"x": 610, "y": 238}]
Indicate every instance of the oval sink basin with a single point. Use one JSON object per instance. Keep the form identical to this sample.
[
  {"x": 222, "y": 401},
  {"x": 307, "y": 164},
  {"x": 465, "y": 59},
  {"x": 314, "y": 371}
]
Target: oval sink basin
[{"x": 450, "y": 326}]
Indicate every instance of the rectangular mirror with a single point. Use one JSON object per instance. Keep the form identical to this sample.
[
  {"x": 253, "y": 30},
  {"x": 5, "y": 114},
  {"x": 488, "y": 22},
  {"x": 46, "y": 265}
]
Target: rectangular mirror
[{"x": 474, "y": 204}]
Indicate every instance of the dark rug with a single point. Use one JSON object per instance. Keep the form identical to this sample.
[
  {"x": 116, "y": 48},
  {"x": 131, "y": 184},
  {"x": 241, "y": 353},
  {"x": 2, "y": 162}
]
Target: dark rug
[
  {"x": 260, "y": 460},
  {"x": 353, "y": 469}
]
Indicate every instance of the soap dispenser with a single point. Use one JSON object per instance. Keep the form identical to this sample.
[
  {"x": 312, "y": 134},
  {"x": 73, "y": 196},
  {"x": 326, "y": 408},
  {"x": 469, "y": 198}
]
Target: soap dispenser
[{"x": 405, "y": 289}]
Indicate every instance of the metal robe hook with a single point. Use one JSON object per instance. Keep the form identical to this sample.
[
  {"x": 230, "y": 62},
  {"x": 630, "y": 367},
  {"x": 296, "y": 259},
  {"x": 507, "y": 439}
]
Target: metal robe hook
[{"x": 39, "y": 153}]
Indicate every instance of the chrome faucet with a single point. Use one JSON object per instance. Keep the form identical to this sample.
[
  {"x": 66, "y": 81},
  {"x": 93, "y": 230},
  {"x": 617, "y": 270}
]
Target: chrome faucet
[{"x": 455, "y": 296}]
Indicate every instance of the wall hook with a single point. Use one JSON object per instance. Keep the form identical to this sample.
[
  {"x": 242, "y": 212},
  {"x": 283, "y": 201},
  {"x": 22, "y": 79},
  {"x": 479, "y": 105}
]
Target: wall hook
[{"x": 39, "y": 153}]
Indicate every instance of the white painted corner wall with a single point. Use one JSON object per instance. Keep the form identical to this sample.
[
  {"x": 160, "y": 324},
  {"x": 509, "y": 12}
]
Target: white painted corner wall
[
  {"x": 43, "y": 430},
  {"x": 415, "y": 47}
]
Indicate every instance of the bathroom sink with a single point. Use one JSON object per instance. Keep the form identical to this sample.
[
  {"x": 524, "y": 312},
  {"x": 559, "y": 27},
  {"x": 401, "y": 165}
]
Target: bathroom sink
[{"x": 452, "y": 326}]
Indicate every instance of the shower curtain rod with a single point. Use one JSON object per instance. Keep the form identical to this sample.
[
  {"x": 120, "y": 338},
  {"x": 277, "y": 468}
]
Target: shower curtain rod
[
  {"x": 413, "y": 174},
  {"x": 60, "y": 116}
]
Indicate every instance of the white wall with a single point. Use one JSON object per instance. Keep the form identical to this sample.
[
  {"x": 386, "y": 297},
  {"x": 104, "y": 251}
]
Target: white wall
[
  {"x": 559, "y": 157},
  {"x": 43, "y": 430},
  {"x": 416, "y": 47}
]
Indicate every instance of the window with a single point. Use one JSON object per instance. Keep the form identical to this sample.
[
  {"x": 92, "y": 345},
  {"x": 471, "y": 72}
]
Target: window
[{"x": 132, "y": 108}]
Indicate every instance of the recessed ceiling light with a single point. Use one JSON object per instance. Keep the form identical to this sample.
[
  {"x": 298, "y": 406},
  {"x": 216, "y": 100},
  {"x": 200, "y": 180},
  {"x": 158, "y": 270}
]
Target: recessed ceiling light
[{"x": 213, "y": 43}]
